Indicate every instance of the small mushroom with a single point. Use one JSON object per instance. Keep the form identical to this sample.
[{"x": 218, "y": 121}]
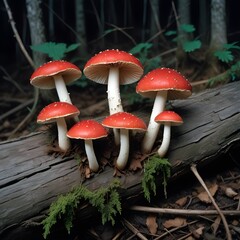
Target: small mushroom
[
  {"x": 161, "y": 84},
  {"x": 57, "y": 112},
  {"x": 56, "y": 74},
  {"x": 125, "y": 122},
  {"x": 168, "y": 118},
  {"x": 114, "y": 68},
  {"x": 88, "y": 130}
]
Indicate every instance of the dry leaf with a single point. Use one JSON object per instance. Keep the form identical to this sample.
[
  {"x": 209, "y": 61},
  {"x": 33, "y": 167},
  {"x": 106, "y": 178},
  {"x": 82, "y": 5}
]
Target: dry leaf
[
  {"x": 215, "y": 225},
  {"x": 197, "y": 233},
  {"x": 230, "y": 192},
  {"x": 176, "y": 222},
  {"x": 182, "y": 201},
  {"x": 152, "y": 224},
  {"x": 87, "y": 172},
  {"x": 135, "y": 164},
  {"x": 203, "y": 196}
]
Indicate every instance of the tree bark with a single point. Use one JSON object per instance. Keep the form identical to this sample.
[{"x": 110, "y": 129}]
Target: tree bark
[
  {"x": 218, "y": 24},
  {"x": 31, "y": 179},
  {"x": 37, "y": 28}
]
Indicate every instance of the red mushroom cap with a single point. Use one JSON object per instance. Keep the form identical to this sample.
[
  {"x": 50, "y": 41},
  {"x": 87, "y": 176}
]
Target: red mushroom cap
[
  {"x": 124, "y": 120},
  {"x": 97, "y": 68},
  {"x": 56, "y": 110},
  {"x": 169, "y": 116},
  {"x": 43, "y": 76},
  {"x": 87, "y": 129},
  {"x": 164, "y": 79}
]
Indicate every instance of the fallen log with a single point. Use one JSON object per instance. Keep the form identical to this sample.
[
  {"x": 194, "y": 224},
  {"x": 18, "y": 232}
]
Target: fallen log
[{"x": 31, "y": 179}]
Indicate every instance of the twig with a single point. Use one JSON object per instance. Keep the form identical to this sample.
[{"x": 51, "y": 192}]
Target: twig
[
  {"x": 16, "y": 109},
  {"x": 9, "y": 79},
  {"x": 183, "y": 211},
  {"x": 31, "y": 113},
  {"x": 195, "y": 172},
  {"x": 36, "y": 91},
  {"x": 175, "y": 229},
  {"x": 12, "y": 22},
  {"x": 134, "y": 230}
]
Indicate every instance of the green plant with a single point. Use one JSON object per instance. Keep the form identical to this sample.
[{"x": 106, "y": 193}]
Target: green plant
[
  {"x": 142, "y": 51},
  {"x": 187, "y": 45},
  {"x": 55, "y": 51},
  {"x": 226, "y": 53},
  {"x": 105, "y": 199},
  {"x": 153, "y": 167}
]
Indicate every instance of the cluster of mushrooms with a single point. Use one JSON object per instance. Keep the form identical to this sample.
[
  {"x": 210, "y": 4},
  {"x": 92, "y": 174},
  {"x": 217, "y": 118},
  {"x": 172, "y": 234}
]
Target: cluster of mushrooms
[{"x": 113, "y": 68}]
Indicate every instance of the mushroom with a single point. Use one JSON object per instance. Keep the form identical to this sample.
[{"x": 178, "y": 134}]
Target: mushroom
[
  {"x": 168, "y": 118},
  {"x": 56, "y": 74},
  {"x": 114, "y": 68},
  {"x": 163, "y": 84},
  {"x": 88, "y": 130},
  {"x": 57, "y": 112},
  {"x": 125, "y": 122}
]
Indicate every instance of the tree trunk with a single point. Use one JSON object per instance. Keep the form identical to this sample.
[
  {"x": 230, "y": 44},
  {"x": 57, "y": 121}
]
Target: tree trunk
[
  {"x": 184, "y": 18},
  {"x": 31, "y": 179},
  {"x": 37, "y": 29},
  {"x": 218, "y": 24},
  {"x": 80, "y": 27}
]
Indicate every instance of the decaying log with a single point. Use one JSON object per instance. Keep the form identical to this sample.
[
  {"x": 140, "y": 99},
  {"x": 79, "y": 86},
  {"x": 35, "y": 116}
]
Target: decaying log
[{"x": 31, "y": 179}]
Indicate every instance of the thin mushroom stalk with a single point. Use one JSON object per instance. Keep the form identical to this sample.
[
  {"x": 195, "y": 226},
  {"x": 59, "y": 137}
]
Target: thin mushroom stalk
[
  {"x": 114, "y": 98},
  {"x": 153, "y": 127},
  {"x": 92, "y": 160},
  {"x": 61, "y": 89},
  {"x": 63, "y": 140},
  {"x": 124, "y": 149},
  {"x": 166, "y": 140}
]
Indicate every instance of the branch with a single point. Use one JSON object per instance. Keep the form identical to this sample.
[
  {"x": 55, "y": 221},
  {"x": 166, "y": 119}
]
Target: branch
[{"x": 12, "y": 22}]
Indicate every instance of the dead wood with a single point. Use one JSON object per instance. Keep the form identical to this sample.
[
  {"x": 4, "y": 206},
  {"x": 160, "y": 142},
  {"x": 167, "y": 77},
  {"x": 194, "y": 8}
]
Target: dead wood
[{"x": 31, "y": 179}]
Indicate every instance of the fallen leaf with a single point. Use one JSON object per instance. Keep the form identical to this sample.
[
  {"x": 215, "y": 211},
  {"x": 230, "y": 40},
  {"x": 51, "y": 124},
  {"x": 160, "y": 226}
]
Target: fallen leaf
[
  {"x": 197, "y": 233},
  {"x": 176, "y": 222},
  {"x": 230, "y": 192},
  {"x": 203, "y": 196},
  {"x": 182, "y": 201},
  {"x": 87, "y": 172},
  {"x": 135, "y": 164},
  {"x": 216, "y": 224},
  {"x": 152, "y": 224}
]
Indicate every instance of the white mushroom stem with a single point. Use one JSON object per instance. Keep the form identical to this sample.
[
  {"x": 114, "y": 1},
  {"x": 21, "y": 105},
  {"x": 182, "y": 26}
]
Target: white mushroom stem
[
  {"x": 92, "y": 160},
  {"x": 63, "y": 140},
  {"x": 166, "y": 140},
  {"x": 114, "y": 98},
  {"x": 61, "y": 89},
  {"x": 124, "y": 149},
  {"x": 153, "y": 127}
]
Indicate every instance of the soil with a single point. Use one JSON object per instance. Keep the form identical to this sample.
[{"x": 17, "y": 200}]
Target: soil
[{"x": 223, "y": 180}]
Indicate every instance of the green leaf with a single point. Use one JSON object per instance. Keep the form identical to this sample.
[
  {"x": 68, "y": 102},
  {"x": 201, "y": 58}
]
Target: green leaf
[
  {"x": 190, "y": 46},
  {"x": 140, "y": 48},
  {"x": 188, "y": 28},
  {"x": 224, "y": 55},
  {"x": 72, "y": 47},
  {"x": 56, "y": 51},
  {"x": 171, "y": 33},
  {"x": 231, "y": 46}
]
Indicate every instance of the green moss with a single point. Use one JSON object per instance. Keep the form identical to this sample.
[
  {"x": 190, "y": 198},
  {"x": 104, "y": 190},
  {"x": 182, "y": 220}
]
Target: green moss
[
  {"x": 152, "y": 168},
  {"x": 105, "y": 199}
]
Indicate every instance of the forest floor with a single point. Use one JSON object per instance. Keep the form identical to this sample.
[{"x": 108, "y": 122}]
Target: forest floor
[{"x": 187, "y": 194}]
